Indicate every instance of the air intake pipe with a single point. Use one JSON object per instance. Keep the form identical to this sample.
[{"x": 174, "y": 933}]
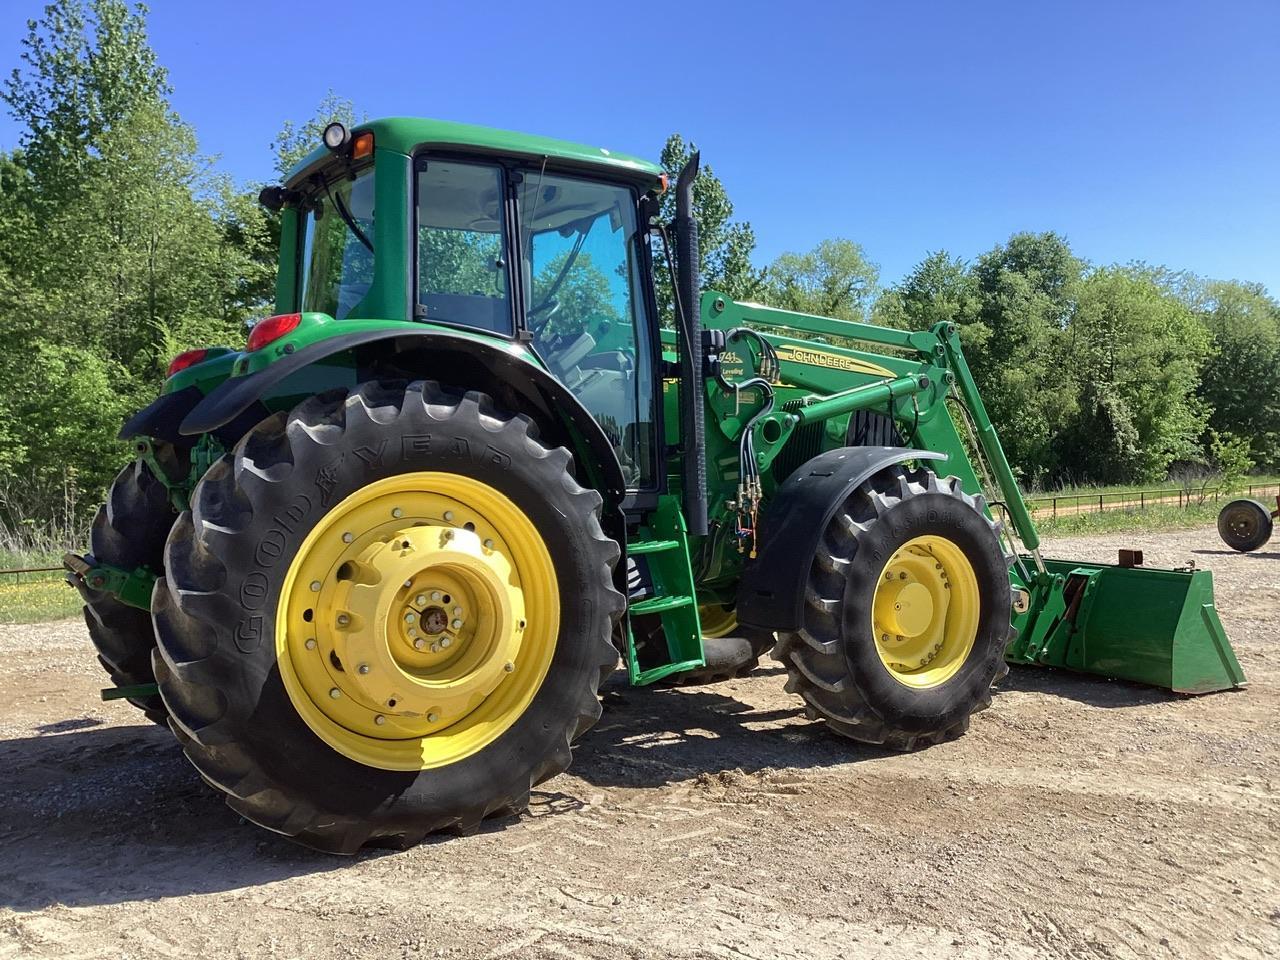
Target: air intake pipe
[{"x": 692, "y": 425}]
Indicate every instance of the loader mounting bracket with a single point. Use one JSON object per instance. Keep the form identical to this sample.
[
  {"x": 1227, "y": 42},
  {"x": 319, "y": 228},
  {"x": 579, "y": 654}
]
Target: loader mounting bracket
[{"x": 132, "y": 587}]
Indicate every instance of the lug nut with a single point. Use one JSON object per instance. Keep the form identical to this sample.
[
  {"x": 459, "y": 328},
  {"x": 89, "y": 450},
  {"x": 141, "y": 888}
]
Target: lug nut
[
  {"x": 409, "y": 618},
  {"x": 420, "y": 599},
  {"x": 397, "y": 513},
  {"x": 435, "y": 648},
  {"x": 363, "y": 668},
  {"x": 509, "y": 666},
  {"x": 311, "y": 644},
  {"x": 457, "y": 624},
  {"x": 348, "y": 537},
  {"x": 315, "y": 586},
  {"x": 488, "y": 544},
  {"x": 457, "y": 611},
  {"x": 335, "y": 693},
  {"x": 435, "y": 594},
  {"x": 412, "y": 632},
  {"x": 448, "y": 515},
  {"x": 419, "y": 644},
  {"x": 445, "y": 643},
  {"x": 343, "y": 619},
  {"x": 432, "y": 717},
  {"x": 379, "y": 719}
]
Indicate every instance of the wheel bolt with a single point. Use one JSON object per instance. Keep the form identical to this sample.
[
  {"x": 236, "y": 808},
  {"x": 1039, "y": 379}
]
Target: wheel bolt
[
  {"x": 445, "y": 643},
  {"x": 363, "y": 668},
  {"x": 343, "y": 619},
  {"x": 409, "y": 618},
  {"x": 397, "y": 513},
  {"x": 419, "y": 644},
  {"x": 509, "y": 666},
  {"x": 379, "y": 719},
  {"x": 335, "y": 693},
  {"x": 457, "y": 611},
  {"x": 315, "y": 586},
  {"x": 457, "y": 624},
  {"x": 435, "y": 648},
  {"x": 311, "y": 644},
  {"x": 435, "y": 594},
  {"x": 348, "y": 537},
  {"x": 448, "y": 515},
  {"x": 432, "y": 717},
  {"x": 420, "y": 599},
  {"x": 903, "y": 575},
  {"x": 488, "y": 544}
]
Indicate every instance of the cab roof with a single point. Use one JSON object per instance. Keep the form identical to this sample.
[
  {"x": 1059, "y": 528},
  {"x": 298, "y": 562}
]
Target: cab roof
[{"x": 406, "y": 134}]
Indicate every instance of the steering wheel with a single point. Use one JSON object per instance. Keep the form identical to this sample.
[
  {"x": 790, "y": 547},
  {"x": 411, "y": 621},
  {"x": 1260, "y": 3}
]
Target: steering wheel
[{"x": 550, "y": 307}]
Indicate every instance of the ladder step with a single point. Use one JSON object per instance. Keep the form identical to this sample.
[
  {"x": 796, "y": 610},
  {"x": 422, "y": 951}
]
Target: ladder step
[
  {"x": 661, "y": 604},
  {"x": 651, "y": 546}
]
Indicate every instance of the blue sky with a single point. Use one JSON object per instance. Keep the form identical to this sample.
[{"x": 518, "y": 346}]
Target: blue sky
[{"x": 1140, "y": 130}]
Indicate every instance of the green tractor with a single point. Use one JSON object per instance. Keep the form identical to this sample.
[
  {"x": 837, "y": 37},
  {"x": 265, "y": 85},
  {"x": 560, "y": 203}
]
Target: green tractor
[{"x": 373, "y": 567}]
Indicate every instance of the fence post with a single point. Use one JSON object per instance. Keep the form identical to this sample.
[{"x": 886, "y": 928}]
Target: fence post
[
  {"x": 1055, "y": 508},
  {"x": 1099, "y": 503},
  {"x": 1142, "y": 500}
]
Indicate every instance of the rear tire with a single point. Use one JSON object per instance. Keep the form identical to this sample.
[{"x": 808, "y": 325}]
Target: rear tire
[
  {"x": 900, "y": 521},
  {"x": 1244, "y": 525},
  {"x": 129, "y": 531},
  {"x": 237, "y": 685}
]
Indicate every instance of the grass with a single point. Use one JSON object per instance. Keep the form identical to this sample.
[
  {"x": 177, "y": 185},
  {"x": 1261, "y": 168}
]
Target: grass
[
  {"x": 1128, "y": 521},
  {"x": 34, "y": 597}
]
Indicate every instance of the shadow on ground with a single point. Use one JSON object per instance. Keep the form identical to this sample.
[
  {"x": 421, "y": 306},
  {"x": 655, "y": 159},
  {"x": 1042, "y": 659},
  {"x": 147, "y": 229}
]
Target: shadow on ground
[
  {"x": 652, "y": 737},
  {"x": 116, "y": 814},
  {"x": 1082, "y": 687},
  {"x": 1254, "y": 555},
  {"x": 93, "y": 814}
]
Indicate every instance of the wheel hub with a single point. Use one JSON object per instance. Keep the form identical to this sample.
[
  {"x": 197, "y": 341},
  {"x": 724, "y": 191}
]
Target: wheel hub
[
  {"x": 925, "y": 611},
  {"x": 419, "y": 618}
]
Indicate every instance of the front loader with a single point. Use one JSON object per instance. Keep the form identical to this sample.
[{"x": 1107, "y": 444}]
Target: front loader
[{"x": 372, "y": 567}]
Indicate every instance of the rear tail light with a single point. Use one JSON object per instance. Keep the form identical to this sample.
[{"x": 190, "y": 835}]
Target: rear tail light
[
  {"x": 188, "y": 358},
  {"x": 272, "y": 329}
]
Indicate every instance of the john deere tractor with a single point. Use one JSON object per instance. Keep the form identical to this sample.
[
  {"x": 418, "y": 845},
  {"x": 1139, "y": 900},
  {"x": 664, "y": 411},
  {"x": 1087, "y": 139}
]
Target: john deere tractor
[{"x": 372, "y": 567}]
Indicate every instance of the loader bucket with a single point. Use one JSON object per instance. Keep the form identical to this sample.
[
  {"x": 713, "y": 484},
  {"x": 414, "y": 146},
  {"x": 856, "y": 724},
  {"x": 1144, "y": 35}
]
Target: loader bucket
[{"x": 1147, "y": 625}]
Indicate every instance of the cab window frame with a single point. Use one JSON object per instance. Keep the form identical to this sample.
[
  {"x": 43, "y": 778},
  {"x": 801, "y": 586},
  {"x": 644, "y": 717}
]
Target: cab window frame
[
  {"x": 318, "y": 185},
  {"x": 423, "y": 157}
]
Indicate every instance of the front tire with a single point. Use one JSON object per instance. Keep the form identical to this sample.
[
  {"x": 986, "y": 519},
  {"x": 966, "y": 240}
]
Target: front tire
[
  {"x": 387, "y": 613},
  {"x": 906, "y": 615}
]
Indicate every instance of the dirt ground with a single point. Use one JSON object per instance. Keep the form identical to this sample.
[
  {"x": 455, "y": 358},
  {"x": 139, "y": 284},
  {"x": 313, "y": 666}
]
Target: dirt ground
[{"x": 1079, "y": 818}]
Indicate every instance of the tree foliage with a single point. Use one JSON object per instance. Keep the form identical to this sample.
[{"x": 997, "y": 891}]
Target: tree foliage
[
  {"x": 124, "y": 246},
  {"x": 834, "y": 279}
]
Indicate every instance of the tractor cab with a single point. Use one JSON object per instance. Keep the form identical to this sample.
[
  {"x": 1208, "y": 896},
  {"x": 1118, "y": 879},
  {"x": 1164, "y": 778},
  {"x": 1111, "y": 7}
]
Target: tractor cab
[{"x": 540, "y": 246}]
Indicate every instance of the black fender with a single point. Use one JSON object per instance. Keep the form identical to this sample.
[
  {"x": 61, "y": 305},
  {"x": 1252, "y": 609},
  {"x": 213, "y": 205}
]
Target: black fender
[
  {"x": 771, "y": 594},
  {"x": 457, "y": 361}
]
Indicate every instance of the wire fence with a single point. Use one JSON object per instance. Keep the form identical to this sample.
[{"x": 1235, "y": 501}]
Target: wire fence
[
  {"x": 33, "y": 573},
  {"x": 1068, "y": 504}
]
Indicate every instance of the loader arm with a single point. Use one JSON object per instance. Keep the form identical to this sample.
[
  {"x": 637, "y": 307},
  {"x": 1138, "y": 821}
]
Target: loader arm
[{"x": 1158, "y": 627}]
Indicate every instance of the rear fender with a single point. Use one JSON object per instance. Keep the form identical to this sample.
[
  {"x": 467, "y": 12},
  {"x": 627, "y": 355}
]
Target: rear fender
[
  {"x": 771, "y": 595},
  {"x": 462, "y": 362}
]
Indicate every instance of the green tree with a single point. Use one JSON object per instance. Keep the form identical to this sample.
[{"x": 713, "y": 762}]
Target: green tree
[
  {"x": 834, "y": 279},
  {"x": 121, "y": 246},
  {"x": 1014, "y": 341},
  {"x": 1240, "y": 380},
  {"x": 1134, "y": 354}
]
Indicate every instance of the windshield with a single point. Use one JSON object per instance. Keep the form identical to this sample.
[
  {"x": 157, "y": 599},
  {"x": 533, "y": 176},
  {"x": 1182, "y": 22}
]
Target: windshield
[{"x": 336, "y": 253}]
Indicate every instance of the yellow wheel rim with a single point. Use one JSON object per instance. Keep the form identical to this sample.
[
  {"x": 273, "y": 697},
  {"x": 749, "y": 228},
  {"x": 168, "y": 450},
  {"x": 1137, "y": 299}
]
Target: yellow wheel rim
[
  {"x": 925, "y": 612},
  {"x": 717, "y": 619},
  {"x": 417, "y": 621}
]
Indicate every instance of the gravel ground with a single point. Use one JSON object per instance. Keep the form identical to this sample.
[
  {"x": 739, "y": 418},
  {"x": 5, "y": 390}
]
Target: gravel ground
[{"x": 1079, "y": 818}]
